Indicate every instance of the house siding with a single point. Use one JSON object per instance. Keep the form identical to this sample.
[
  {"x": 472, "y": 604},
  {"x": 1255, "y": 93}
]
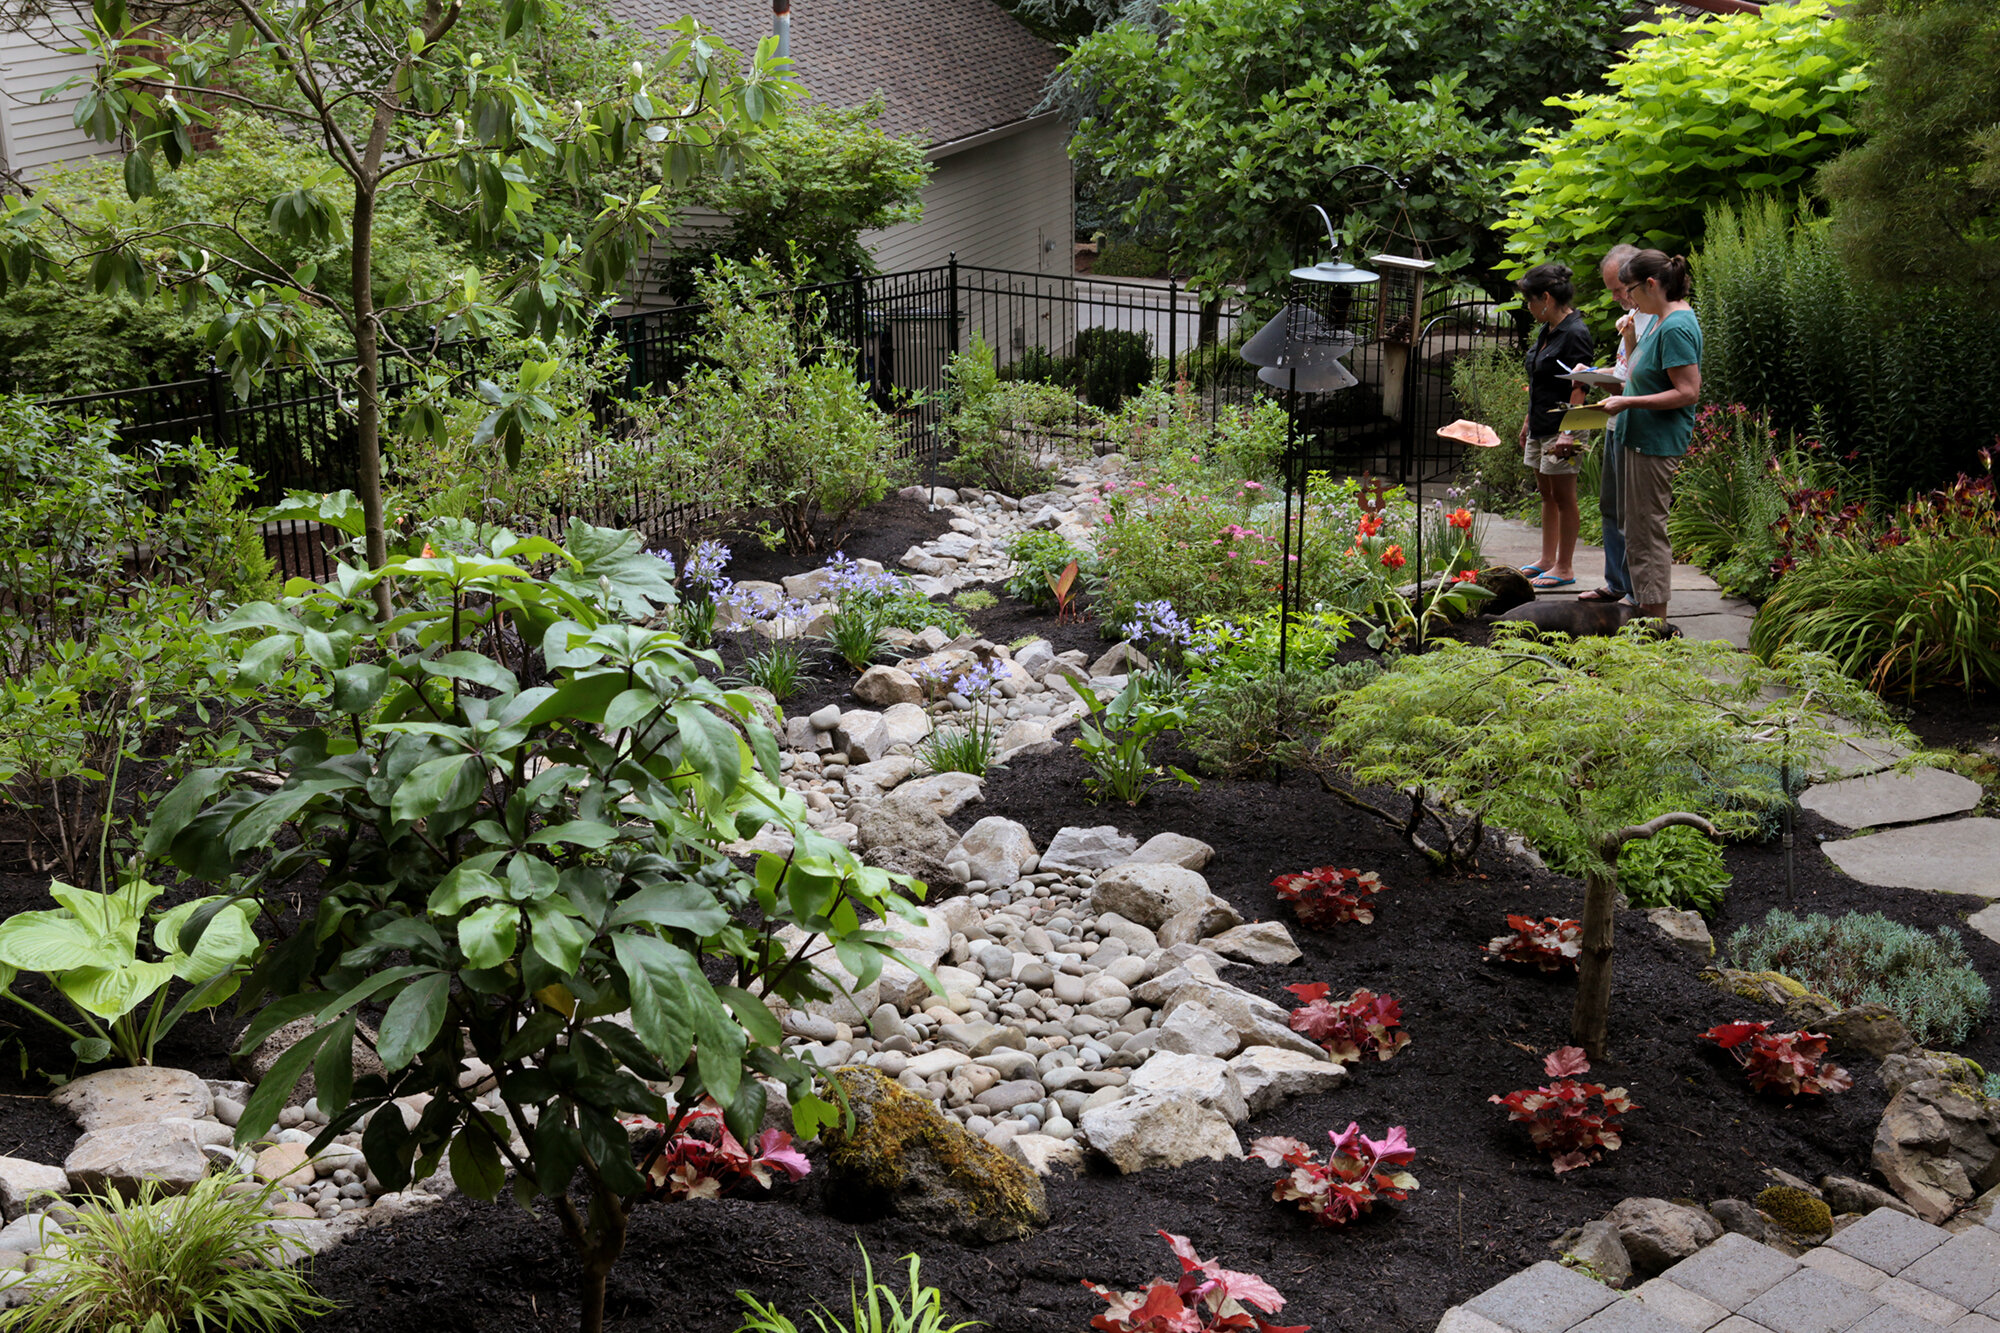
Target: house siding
[
  {"x": 997, "y": 205},
  {"x": 36, "y": 135}
]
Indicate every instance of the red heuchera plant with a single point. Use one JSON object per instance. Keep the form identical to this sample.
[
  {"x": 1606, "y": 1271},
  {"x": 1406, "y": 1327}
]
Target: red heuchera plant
[
  {"x": 1349, "y": 1182},
  {"x": 1362, "y": 1026},
  {"x": 1208, "y": 1297},
  {"x": 1323, "y": 897},
  {"x": 1552, "y": 944},
  {"x": 1792, "y": 1062},
  {"x": 1559, "y": 1116},
  {"x": 710, "y": 1163}
]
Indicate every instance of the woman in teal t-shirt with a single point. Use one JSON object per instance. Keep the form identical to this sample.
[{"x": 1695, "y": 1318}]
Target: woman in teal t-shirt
[{"x": 1660, "y": 395}]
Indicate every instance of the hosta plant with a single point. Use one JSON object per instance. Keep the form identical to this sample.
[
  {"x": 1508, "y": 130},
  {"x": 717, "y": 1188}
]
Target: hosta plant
[
  {"x": 1325, "y": 896},
  {"x": 1364, "y": 1026},
  {"x": 705, "y": 1161},
  {"x": 1208, "y": 1298},
  {"x": 117, "y": 987},
  {"x": 1560, "y": 1117},
  {"x": 1114, "y": 739},
  {"x": 1790, "y": 1062},
  {"x": 1551, "y": 944},
  {"x": 1348, "y": 1183}
]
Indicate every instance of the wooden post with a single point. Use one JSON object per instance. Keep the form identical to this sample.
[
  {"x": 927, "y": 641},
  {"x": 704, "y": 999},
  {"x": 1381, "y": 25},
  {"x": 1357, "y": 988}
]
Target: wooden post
[{"x": 1590, "y": 1020}]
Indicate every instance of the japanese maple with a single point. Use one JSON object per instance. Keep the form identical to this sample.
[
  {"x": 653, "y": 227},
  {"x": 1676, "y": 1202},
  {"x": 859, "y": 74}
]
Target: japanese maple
[
  {"x": 1361, "y": 1027},
  {"x": 706, "y": 1161},
  {"x": 1792, "y": 1062},
  {"x": 1551, "y": 944},
  {"x": 1352, "y": 1178},
  {"x": 1208, "y": 1297},
  {"x": 1559, "y": 1116},
  {"x": 1327, "y": 895}
]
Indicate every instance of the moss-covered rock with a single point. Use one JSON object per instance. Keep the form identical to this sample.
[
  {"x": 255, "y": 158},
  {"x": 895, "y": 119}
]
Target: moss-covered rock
[
  {"x": 1772, "y": 988},
  {"x": 1796, "y": 1211},
  {"x": 907, "y": 1158}
]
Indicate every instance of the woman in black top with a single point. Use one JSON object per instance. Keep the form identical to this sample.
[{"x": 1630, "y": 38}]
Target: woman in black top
[{"x": 1546, "y": 451}]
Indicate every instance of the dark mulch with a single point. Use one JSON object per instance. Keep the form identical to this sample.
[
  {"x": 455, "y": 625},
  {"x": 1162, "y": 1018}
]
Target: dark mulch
[{"x": 883, "y": 531}]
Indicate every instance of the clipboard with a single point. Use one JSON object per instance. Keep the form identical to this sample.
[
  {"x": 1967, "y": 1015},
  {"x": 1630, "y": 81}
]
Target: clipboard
[
  {"x": 1586, "y": 418},
  {"x": 1595, "y": 378}
]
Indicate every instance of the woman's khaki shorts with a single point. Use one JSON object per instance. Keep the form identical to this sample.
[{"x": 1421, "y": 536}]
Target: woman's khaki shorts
[{"x": 1536, "y": 458}]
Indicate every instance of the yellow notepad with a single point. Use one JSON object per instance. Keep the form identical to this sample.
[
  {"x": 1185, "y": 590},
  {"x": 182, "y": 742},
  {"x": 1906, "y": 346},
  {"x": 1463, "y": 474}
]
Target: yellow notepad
[{"x": 1586, "y": 418}]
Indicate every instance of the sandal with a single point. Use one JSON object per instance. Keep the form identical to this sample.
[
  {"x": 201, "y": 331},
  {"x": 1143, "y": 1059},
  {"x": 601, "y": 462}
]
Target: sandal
[
  {"x": 1549, "y": 582},
  {"x": 1600, "y": 595},
  {"x": 1533, "y": 571}
]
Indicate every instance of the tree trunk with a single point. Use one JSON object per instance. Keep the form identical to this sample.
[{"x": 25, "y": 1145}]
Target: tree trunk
[
  {"x": 368, "y": 414},
  {"x": 598, "y": 1242},
  {"x": 1211, "y": 321},
  {"x": 1590, "y": 1020}
]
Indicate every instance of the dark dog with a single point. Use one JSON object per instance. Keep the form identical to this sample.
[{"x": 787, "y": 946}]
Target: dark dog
[{"x": 1567, "y": 615}]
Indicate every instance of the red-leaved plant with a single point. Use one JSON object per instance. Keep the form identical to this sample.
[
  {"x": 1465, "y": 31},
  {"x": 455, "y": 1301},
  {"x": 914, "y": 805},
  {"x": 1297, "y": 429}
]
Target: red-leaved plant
[
  {"x": 1559, "y": 1117},
  {"x": 1792, "y": 1062},
  {"x": 1349, "y": 1182},
  {"x": 705, "y": 1161},
  {"x": 1552, "y": 944},
  {"x": 1323, "y": 897},
  {"x": 1361, "y": 1027},
  {"x": 1208, "y": 1297}
]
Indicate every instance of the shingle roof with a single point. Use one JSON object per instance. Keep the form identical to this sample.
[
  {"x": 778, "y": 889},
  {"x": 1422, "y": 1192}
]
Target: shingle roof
[{"x": 948, "y": 69}]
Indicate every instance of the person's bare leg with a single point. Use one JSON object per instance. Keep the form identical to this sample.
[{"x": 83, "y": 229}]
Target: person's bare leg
[
  {"x": 1551, "y": 522},
  {"x": 1569, "y": 519}
]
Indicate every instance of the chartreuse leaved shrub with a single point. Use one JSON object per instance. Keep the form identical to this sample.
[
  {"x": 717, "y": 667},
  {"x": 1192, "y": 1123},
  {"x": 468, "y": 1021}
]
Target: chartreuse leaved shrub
[
  {"x": 1867, "y": 958},
  {"x": 515, "y": 804},
  {"x": 1697, "y": 111},
  {"x": 206, "y": 1259}
]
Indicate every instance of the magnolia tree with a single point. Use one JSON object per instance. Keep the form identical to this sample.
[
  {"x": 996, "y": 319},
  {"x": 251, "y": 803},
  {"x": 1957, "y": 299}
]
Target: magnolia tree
[
  {"x": 1587, "y": 745},
  {"x": 515, "y": 806},
  {"x": 400, "y": 104}
]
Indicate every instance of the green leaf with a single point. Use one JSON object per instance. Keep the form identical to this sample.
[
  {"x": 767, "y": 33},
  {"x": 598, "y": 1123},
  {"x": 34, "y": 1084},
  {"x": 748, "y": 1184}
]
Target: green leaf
[
  {"x": 681, "y": 906},
  {"x": 333, "y": 1068},
  {"x": 674, "y": 1005},
  {"x": 413, "y": 1020},
  {"x": 356, "y": 689},
  {"x": 274, "y": 1090},
  {"x": 439, "y": 785},
  {"x": 709, "y": 745},
  {"x": 487, "y": 935},
  {"x": 476, "y": 1167}
]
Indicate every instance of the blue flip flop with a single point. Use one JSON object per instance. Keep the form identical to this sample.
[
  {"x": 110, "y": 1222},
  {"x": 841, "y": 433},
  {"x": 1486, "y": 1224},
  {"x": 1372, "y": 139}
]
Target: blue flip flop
[
  {"x": 1533, "y": 571},
  {"x": 1548, "y": 583}
]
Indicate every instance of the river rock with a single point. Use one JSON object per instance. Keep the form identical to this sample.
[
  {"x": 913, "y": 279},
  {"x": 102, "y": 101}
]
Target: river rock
[
  {"x": 1148, "y": 894},
  {"x": 1267, "y": 1075},
  {"x": 1867, "y": 1029},
  {"x": 1035, "y": 658},
  {"x": 1043, "y": 1153},
  {"x": 1173, "y": 849},
  {"x": 1118, "y": 660},
  {"x": 1658, "y": 1234},
  {"x": 905, "y": 724},
  {"x": 1202, "y": 1078},
  {"x": 994, "y": 850},
  {"x": 135, "y": 1096},
  {"x": 906, "y": 1158},
  {"x": 904, "y": 833},
  {"x": 1152, "y": 1129},
  {"x": 1686, "y": 931},
  {"x": 1938, "y": 1145},
  {"x": 860, "y": 736},
  {"x": 885, "y": 685},
  {"x": 1098, "y": 848},
  {"x": 1195, "y": 1029},
  {"x": 122, "y": 1156},
  {"x": 1139, "y": 939},
  {"x": 945, "y": 793},
  {"x": 1596, "y": 1245},
  {"x": 22, "y": 1182},
  {"x": 1844, "y": 1194},
  {"x": 1261, "y": 942},
  {"x": 285, "y": 1164}
]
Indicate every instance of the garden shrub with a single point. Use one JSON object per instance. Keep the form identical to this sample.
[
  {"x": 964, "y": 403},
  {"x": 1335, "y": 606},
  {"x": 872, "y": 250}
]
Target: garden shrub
[
  {"x": 1677, "y": 867},
  {"x": 1165, "y": 422},
  {"x": 774, "y": 419},
  {"x": 995, "y": 425},
  {"x": 1732, "y": 493},
  {"x": 1787, "y": 330},
  {"x": 1698, "y": 110},
  {"x": 1867, "y": 958},
  {"x": 1490, "y": 385},
  {"x": 1039, "y": 558},
  {"x": 1243, "y": 724},
  {"x": 1129, "y": 259},
  {"x": 1104, "y": 367},
  {"x": 506, "y": 865}
]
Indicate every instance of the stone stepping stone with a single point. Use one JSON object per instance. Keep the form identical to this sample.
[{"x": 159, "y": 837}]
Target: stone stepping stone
[
  {"x": 1733, "y": 630},
  {"x": 1881, "y": 799},
  {"x": 1986, "y": 922},
  {"x": 1962, "y": 856},
  {"x": 1859, "y": 755}
]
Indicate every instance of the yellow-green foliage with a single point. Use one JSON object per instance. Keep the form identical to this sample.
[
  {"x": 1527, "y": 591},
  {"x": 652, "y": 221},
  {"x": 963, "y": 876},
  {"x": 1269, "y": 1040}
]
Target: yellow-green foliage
[{"x": 1795, "y": 1210}]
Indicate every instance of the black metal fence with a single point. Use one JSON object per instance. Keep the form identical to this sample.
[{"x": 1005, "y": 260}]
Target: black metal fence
[{"x": 295, "y": 431}]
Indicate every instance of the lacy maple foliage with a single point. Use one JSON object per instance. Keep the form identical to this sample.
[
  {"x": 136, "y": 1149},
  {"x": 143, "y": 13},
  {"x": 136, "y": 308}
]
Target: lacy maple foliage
[
  {"x": 1359, "y": 1172},
  {"x": 1364, "y": 1026},
  {"x": 1208, "y": 1297},
  {"x": 1560, "y": 1117},
  {"x": 1325, "y": 896},
  {"x": 1791, "y": 1062},
  {"x": 1551, "y": 944}
]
